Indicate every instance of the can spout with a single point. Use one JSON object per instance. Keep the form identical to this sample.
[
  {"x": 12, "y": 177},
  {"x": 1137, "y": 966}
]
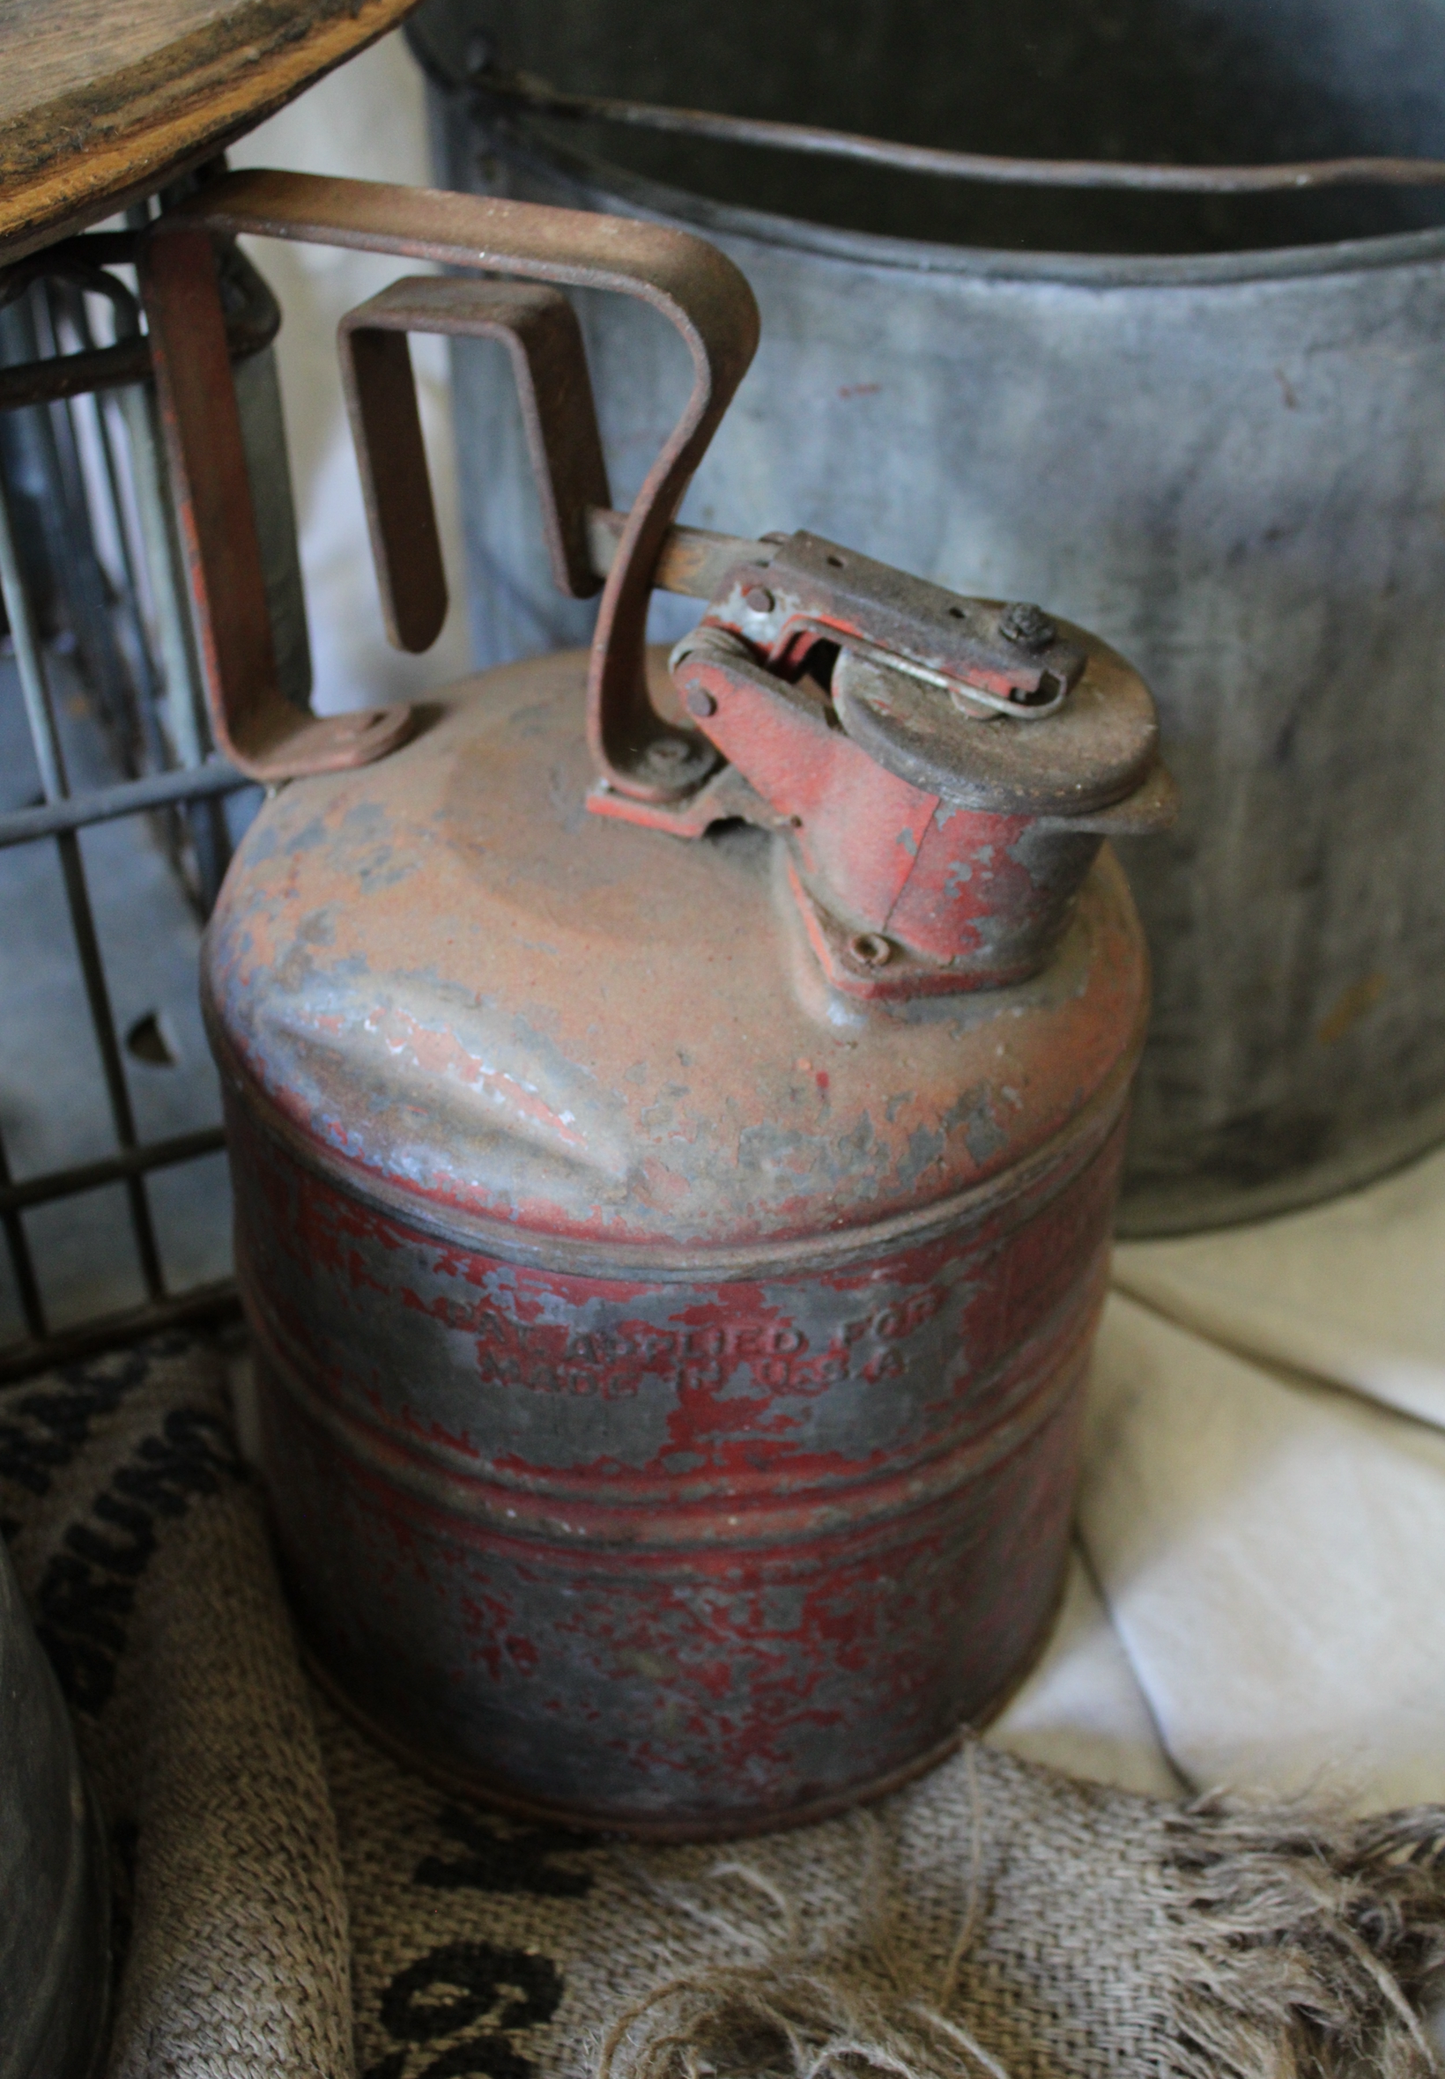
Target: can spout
[{"x": 942, "y": 769}]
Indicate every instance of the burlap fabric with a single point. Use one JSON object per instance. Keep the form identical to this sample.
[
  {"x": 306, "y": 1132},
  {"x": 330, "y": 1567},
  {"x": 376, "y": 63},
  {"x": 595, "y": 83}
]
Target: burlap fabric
[{"x": 290, "y": 1901}]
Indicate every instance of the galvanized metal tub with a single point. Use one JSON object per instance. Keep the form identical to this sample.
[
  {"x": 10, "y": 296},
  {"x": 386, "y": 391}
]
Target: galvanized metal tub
[
  {"x": 54, "y": 1954},
  {"x": 1212, "y": 430}
]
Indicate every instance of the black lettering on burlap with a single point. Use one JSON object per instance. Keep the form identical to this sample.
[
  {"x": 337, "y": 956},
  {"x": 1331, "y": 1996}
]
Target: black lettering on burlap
[
  {"x": 492, "y": 2054},
  {"x": 128, "y": 1559},
  {"x": 87, "y": 1591},
  {"x": 515, "y": 1861},
  {"x": 42, "y": 1430},
  {"x": 449, "y": 1990},
  {"x": 188, "y": 1460},
  {"x": 75, "y": 1597}
]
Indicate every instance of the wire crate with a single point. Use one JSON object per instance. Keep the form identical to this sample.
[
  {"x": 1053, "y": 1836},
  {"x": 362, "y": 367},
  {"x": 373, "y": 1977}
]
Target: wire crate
[{"x": 116, "y": 817}]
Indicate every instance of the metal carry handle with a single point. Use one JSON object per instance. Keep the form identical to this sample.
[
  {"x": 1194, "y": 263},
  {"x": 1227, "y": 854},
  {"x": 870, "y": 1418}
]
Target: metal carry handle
[
  {"x": 539, "y": 327},
  {"x": 695, "y": 287}
]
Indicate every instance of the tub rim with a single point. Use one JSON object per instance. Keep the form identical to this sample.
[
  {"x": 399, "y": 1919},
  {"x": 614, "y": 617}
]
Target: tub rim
[{"x": 617, "y": 190}]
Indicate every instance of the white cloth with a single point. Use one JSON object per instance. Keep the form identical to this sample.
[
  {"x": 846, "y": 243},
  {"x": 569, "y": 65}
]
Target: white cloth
[
  {"x": 1266, "y": 1530},
  {"x": 1352, "y": 1292},
  {"x": 1083, "y": 1708}
]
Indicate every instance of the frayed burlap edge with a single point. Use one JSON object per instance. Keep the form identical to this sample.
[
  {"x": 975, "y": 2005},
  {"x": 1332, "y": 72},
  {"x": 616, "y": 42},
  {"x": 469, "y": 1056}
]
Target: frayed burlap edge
[
  {"x": 1307, "y": 1945},
  {"x": 1296, "y": 1946}
]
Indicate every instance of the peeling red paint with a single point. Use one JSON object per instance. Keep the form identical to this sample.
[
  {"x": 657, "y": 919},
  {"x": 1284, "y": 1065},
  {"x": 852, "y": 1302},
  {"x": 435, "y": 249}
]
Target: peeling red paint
[{"x": 670, "y": 1442}]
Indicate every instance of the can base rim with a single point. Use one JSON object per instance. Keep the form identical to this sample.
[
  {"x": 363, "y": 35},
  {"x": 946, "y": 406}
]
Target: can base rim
[{"x": 456, "y": 1779}]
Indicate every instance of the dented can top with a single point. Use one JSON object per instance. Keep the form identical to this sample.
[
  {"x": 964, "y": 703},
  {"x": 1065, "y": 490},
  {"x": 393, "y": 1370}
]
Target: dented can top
[{"x": 450, "y": 985}]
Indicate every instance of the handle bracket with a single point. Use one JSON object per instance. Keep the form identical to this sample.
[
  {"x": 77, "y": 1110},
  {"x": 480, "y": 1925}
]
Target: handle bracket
[
  {"x": 688, "y": 282},
  {"x": 539, "y": 328}
]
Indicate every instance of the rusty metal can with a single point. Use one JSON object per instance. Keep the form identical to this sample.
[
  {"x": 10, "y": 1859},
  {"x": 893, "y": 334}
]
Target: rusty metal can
[
  {"x": 674, "y": 1164},
  {"x": 671, "y": 1373}
]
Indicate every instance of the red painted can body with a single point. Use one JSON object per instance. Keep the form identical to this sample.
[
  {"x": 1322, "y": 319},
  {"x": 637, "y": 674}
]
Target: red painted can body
[{"x": 670, "y": 1366}]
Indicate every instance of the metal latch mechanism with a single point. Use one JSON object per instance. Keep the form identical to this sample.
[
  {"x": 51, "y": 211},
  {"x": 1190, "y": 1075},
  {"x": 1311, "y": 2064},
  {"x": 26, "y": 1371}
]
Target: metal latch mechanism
[{"x": 941, "y": 769}]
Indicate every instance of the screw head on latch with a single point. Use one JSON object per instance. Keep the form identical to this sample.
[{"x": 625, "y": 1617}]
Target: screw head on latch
[
  {"x": 668, "y": 752},
  {"x": 1027, "y": 625},
  {"x": 676, "y": 761}
]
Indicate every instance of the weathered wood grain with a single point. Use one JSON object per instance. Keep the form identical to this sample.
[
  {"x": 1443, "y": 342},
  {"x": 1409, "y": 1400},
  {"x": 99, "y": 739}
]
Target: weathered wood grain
[{"x": 103, "y": 100}]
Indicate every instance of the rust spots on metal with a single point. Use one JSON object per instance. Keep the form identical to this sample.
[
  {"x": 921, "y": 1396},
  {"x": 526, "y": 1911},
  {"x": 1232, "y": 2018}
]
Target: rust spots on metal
[
  {"x": 683, "y": 1555},
  {"x": 694, "y": 287},
  {"x": 253, "y": 722},
  {"x": 652, "y": 996},
  {"x": 672, "y": 1265},
  {"x": 671, "y": 1368}
]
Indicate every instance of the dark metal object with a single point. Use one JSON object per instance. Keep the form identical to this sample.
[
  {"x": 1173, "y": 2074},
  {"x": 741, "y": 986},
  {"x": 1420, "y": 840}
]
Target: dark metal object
[
  {"x": 63, "y": 542},
  {"x": 1027, "y": 625},
  {"x": 213, "y": 1305},
  {"x": 127, "y": 798},
  {"x": 54, "y": 1918},
  {"x": 672, "y": 1266},
  {"x": 535, "y": 96},
  {"x": 1213, "y": 431},
  {"x": 63, "y": 277},
  {"x": 44, "y": 300},
  {"x": 251, "y": 324},
  {"x": 49, "y": 757},
  {"x": 539, "y": 327},
  {"x": 111, "y": 1169},
  {"x": 254, "y": 723}
]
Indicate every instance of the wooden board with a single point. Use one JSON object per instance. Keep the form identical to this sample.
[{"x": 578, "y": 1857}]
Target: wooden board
[{"x": 101, "y": 101}]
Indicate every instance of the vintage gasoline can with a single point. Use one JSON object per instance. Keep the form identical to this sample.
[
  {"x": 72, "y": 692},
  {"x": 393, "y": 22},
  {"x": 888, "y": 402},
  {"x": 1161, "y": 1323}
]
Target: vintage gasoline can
[{"x": 675, "y": 1115}]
